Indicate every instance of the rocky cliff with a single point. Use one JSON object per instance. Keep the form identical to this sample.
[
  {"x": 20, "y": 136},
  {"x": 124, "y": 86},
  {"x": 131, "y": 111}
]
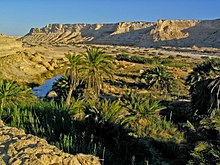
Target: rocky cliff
[
  {"x": 16, "y": 148},
  {"x": 182, "y": 33}
]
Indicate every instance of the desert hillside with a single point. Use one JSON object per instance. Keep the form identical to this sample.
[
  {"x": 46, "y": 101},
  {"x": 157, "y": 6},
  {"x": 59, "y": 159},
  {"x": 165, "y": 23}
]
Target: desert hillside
[{"x": 181, "y": 33}]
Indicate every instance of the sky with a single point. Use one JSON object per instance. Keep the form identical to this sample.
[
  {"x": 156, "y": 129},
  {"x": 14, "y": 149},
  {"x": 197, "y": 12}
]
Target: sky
[{"x": 18, "y": 16}]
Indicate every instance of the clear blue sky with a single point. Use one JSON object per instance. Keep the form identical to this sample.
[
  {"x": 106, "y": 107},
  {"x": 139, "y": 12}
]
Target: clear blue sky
[{"x": 18, "y": 16}]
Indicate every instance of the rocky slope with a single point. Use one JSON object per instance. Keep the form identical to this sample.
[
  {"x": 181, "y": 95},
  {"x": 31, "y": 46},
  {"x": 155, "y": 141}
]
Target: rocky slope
[
  {"x": 17, "y": 148},
  {"x": 182, "y": 33},
  {"x": 25, "y": 64},
  {"x": 9, "y": 45}
]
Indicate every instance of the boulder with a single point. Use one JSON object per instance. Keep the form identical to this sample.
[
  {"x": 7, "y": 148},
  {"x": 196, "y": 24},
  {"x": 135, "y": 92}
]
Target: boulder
[
  {"x": 51, "y": 94},
  {"x": 17, "y": 148}
]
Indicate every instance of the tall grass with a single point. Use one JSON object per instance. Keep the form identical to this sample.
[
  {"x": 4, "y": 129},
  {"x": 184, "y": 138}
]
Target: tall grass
[{"x": 105, "y": 137}]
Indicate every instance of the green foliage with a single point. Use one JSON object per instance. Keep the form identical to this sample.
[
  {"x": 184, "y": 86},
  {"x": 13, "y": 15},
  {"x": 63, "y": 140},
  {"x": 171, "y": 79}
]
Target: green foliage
[
  {"x": 205, "y": 87},
  {"x": 12, "y": 94},
  {"x": 205, "y": 96},
  {"x": 108, "y": 121},
  {"x": 97, "y": 66},
  {"x": 141, "y": 107},
  {"x": 89, "y": 70},
  {"x": 74, "y": 68},
  {"x": 138, "y": 59},
  {"x": 171, "y": 57},
  {"x": 212, "y": 123},
  {"x": 106, "y": 111},
  {"x": 62, "y": 85},
  {"x": 206, "y": 70},
  {"x": 207, "y": 149},
  {"x": 102, "y": 132},
  {"x": 159, "y": 78},
  {"x": 205, "y": 153},
  {"x": 146, "y": 118},
  {"x": 122, "y": 57}
]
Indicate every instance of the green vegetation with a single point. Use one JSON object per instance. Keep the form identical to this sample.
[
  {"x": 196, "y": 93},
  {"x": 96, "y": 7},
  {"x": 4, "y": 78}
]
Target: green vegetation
[
  {"x": 159, "y": 78},
  {"x": 97, "y": 66},
  {"x": 205, "y": 70},
  {"x": 137, "y": 125},
  {"x": 12, "y": 94},
  {"x": 73, "y": 70},
  {"x": 154, "y": 60}
]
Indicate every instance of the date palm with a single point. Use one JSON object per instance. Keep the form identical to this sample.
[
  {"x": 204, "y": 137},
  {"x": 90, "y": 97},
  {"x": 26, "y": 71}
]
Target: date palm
[
  {"x": 98, "y": 66},
  {"x": 12, "y": 94},
  {"x": 205, "y": 96},
  {"x": 62, "y": 85},
  {"x": 203, "y": 71},
  {"x": 73, "y": 70},
  {"x": 159, "y": 78}
]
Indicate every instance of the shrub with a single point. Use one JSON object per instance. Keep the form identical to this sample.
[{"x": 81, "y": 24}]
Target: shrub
[
  {"x": 159, "y": 78},
  {"x": 137, "y": 59},
  {"x": 122, "y": 57}
]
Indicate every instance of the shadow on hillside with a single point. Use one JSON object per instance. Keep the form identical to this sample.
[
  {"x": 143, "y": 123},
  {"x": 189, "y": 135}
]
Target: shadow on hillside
[
  {"x": 127, "y": 75},
  {"x": 203, "y": 34},
  {"x": 91, "y": 135},
  {"x": 124, "y": 39},
  {"x": 178, "y": 111},
  {"x": 112, "y": 142},
  {"x": 122, "y": 83}
]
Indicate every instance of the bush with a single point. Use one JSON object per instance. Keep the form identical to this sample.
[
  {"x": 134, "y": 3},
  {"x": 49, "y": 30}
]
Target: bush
[
  {"x": 137, "y": 59},
  {"x": 171, "y": 57},
  {"x": 122, "y": 57}
]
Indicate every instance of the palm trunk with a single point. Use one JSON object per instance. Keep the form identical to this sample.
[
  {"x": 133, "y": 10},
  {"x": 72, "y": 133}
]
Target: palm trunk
[
  {"x": 68, "y": 99},
  {"x": 69, "y": 96}
]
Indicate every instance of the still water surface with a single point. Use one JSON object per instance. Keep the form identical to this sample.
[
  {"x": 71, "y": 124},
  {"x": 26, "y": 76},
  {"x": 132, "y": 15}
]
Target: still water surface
[{"x": 42, "y": 90}]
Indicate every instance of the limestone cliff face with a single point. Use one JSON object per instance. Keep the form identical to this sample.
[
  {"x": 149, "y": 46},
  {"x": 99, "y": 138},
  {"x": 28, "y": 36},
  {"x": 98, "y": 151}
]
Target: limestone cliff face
[
  {"x": 162, "y": 33},
  {"x": 169, "y": 29},
  {"x": 123, "y": 33},
  {"x": 186, "y": 33}
]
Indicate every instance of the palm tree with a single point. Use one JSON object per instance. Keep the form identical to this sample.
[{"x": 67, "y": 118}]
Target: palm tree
[
  {"x": 205, "y": 96},
  {"x": 11, "y": 94},
  {"x": 97, "y": 66},
  {"x": 203, "y": 71},
  {"x": 140, "y": 106},
  {"x": 62, "y": 85},
  {"x": 159, "y": 78},
  {"x": 73, "y": 71}
]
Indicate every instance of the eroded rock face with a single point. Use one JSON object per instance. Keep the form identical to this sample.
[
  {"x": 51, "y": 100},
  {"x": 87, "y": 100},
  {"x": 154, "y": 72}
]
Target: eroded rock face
[
  {"x": 88, "y": 33},
  {"x": 169, "y": 29},
  {"x": 17, "y": 148},
  {"x": 183, "y": 33}
]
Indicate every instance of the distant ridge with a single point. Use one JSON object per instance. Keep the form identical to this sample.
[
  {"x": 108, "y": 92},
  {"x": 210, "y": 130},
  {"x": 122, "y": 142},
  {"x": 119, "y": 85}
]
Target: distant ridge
[{"x": 180, "y": 33}]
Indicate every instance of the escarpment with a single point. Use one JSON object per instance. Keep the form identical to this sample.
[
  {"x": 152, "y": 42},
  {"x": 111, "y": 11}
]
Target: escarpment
[
  {"x": 88, "y": 33},
  {"x": 181, "y": 33}
]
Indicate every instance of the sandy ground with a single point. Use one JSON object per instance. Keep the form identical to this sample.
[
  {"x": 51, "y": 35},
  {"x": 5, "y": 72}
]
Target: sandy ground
[{"x": 29, "y": 63}]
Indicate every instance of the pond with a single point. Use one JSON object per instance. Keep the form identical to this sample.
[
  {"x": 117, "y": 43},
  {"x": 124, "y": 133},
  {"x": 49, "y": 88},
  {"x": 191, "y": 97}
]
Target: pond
[{"x": 42, "y": 90}]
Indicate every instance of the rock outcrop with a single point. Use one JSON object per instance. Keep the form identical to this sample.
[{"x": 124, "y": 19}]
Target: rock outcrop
[
  {"x": 182, "y": 33},
  {"x": 17, "y": 148},
  {"x": 9, "y": 45},
  {"x": 88, "y": 33}
]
